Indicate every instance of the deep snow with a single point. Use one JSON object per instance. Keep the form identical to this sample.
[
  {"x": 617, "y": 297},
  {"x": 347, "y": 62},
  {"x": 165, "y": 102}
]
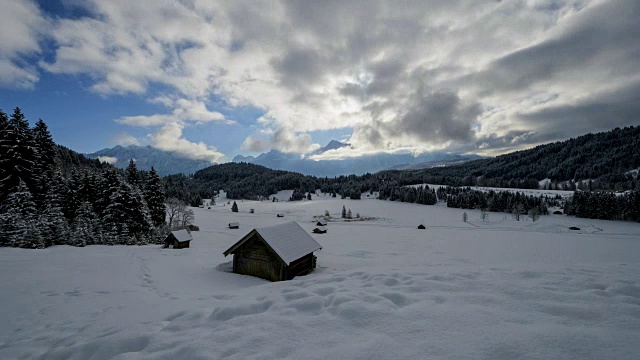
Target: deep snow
[{"x": 496, "y": 289}]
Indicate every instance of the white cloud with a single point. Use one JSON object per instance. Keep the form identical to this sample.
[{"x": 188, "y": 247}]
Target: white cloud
[
  {"x": 169, "y": 138},
  {"x": 108, "y": 159},
  {"x": 21, "y": 27},
  {"x": 282, "y": 139},
  {"x": 255, "y": 144},
  {"x": 125, "y": 139},
  {"x": 184, "y": 110}
]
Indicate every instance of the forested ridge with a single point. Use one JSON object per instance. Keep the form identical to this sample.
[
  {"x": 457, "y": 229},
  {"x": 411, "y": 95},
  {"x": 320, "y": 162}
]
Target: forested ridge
[
  {"x": 604, "y": 158},
  {"x": 51, "y": 195}
]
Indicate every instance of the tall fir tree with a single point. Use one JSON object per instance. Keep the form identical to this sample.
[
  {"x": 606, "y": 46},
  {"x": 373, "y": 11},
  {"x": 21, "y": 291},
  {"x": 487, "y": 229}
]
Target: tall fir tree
[
  {"x": 133, "y": 178},
  {"x": 44, "y": 161},
  {"x": 19, "y": 154},
  {"x": 56, "y": 229},
  {"x": 138, "y": 219},
  {"x": 115, "y": 214},
  {"x": 154, "y": 196},
  {"x": 5, "y": 159},
  {"x": 71, "y": 197}
]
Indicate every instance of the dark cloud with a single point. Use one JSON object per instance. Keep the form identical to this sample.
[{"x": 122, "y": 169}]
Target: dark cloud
[
  {"x": 300, "y": 67},
  {"x": 604, "y": 38},
  {"x": 512, "y": 140},
  {"x": 600, "y": 112},
  {"x": 431, "y": 117}
]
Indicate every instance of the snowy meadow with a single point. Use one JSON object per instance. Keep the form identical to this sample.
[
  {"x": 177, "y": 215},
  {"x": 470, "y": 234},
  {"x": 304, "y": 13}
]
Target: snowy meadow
[{"x": 495, "y": 289}]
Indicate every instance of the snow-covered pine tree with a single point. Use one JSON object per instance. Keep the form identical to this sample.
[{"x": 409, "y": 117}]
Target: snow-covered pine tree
[
  {"x": 44, "y": 162},
  {"x": 154, "y": 196},
  {"x": 5, "y": 159},
  {"x": 71, "y": 197},
  {"x": 106, "y": 186},
  {"x": 114, "y": 217},
  {"x": 88, "y": 190},
  {"x": 85, "y": 227},
  {"x": 19, "y": 153},
  {"x": 132, "y": 176},
  {"x": 138, "y": 218},
  {"x": 234, "y": 207},
  {"x": 19, "y": 222},
  {"x": 55, "y": 228}
]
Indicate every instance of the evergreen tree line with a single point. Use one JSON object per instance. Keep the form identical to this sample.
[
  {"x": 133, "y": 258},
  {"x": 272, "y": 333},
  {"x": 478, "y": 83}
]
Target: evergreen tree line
[
  {"x": 48, "y": 199},
  {"x": 496, "y": 201},
  {"x": 420, "y": 195},
  {"x": 604, "y": 205}
]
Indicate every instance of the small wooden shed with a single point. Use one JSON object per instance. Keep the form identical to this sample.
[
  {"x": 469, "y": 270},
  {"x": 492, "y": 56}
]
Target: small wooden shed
[
  {"x": 321, "y": 223},
  {"x": 234, "y": 225},
  {"x": 421, "y": 227},
  {"x": 275, "y": 253},
  {"x": 320, "y": 230},
  {"x": 178, "y": 239},
  {"x": 280, "y": 215}
]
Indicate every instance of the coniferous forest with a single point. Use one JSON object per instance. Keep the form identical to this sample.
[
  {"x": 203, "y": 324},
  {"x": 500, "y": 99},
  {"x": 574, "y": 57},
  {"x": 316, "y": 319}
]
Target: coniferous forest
[{"x": 50, "y": 195}]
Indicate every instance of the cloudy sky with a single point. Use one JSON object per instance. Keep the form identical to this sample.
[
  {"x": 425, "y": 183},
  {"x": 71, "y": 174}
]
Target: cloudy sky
[{"x": 211, "y": 79}]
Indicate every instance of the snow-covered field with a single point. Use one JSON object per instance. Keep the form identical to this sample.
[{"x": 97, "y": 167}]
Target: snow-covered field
[{"x": 499, "y": 289}]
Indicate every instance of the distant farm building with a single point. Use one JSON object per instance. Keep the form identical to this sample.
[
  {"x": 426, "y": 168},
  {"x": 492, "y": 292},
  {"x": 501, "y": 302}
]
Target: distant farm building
[
  {"x": 321, "y": 223},
  {"x": 280, "y": 215},
  {"x": 275, "y": 253},
  {"x": 234, "y": 225},
  {"x": 320, "y": 230},
  {"x": 178, "y": 239},
  {"x": 421, "y": 227}
]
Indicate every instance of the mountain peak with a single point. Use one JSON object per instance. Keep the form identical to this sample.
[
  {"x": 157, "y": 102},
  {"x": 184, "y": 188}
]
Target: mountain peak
[{"x": 332, "y": 145}]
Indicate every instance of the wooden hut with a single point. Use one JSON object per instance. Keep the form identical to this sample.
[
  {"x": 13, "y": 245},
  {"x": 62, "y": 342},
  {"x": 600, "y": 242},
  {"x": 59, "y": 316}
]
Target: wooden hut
[
  {"x": 321, "y": 223},
  {"x": 421, "y": 227},
  {"x": 275, "y": 253},
  {"x": 234, "y": 225},
  {"x": 178, "y": 239},
  {"x": 280, "y": 215},
  {"x": 320, "y": 230}
]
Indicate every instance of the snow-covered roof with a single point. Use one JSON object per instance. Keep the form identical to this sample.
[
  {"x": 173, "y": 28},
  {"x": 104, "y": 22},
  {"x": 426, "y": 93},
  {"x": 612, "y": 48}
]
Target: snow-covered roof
[
  {"x": 289, "y": 241},
  {"x": 182, "y": 235}
]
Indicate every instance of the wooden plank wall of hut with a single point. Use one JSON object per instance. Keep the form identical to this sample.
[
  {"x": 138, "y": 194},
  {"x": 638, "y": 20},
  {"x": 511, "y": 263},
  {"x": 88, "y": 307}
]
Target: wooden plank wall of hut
[
  {"x": 181, "y": 245},
  {"x": 300, "y": 267},
  {"x": 256, "y": 259}
]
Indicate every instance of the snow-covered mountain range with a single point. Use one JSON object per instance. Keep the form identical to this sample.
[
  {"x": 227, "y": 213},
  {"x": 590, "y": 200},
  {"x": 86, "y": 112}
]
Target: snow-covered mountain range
[
  {"x": 164, "y": 162},
  {"x": 167, "y": 163},
  {"x": 275, "y": 159}
]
